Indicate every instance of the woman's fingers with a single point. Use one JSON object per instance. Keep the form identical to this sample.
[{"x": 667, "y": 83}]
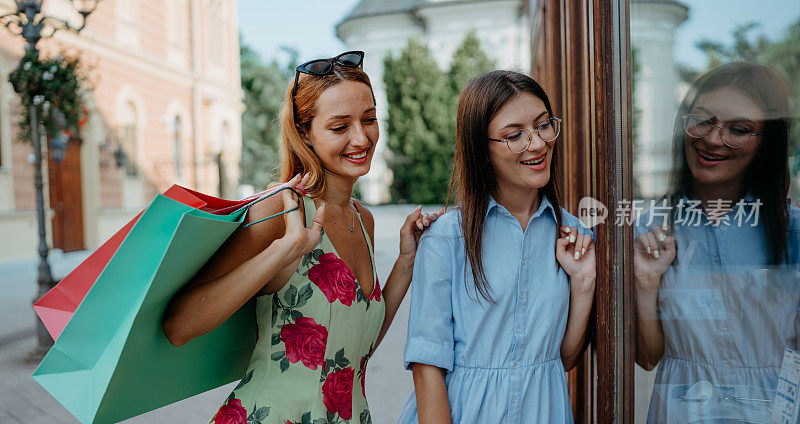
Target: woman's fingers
[
  {"x": 666, "y": 241},
  {"x": 423, "y": 220},
  {"x": 411, "y": 219},
  {"x": 641, "y": 242},
  {"x": 562, "y": 245},
  {"x": 290, "y": 202},
  {"x": 653, "y": 245},
  {"x": 294, "y": 180},
  {"x": 584, "y": 246},
  {"x": 316, "y": 227},
  {"x": 303, "y": 183}
]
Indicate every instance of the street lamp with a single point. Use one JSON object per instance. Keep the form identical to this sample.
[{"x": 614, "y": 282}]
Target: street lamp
[{"x": 33, "y": 25}]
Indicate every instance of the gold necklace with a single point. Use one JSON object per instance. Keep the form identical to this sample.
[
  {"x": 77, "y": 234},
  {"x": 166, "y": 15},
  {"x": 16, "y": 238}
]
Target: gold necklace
[{"x": 338, "y": 210}]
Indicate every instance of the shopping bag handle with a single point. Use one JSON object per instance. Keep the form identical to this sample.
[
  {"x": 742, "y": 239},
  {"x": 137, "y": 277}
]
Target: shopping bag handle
[{"x": 276, "y": 214}]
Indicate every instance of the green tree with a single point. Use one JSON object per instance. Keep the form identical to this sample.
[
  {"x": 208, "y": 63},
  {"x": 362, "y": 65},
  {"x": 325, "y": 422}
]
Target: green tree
[
  {"x": 264, "y": 87},
  {"x": 422, "y": 116},
  {"x": 418, "y": 127},
  {"x": 745, "y": 47},
  {"x": 469, "y": 61}
]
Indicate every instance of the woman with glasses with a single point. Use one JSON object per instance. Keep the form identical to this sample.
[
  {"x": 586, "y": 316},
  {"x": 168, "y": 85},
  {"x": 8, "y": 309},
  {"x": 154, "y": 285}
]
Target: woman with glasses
[
  {"x": 320, "y": 309},
  {"x": 717, "y": 277},
  {"x": 502, "y": 285}
]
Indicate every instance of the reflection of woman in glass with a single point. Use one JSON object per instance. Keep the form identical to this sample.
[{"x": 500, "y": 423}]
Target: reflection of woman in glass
[
  {"x": 717, "y": 304},
  {"x": 503, "y": 285}
]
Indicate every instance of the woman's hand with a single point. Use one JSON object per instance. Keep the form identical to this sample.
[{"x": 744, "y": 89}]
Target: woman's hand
[
  {"x": 412, "y": 229},
  {"x": 575, "y": 253},
  {"x": 298, "y": 240},
  {"x": 653, "y": 252}
]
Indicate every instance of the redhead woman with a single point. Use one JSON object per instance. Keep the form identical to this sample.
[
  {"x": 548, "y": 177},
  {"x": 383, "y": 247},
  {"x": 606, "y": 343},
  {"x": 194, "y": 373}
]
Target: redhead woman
[
  {"x": 320, "y": 310},
  {"x": 503, "y": 285}
]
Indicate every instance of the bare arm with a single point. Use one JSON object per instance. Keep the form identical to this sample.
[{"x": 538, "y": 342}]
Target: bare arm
[
  {"x": 576, "y": 336},
  {"x": 575, "y": 253},
  {"x": 243, "y": 266},
  {"x": 400, "y": 277},
  {"x": 433, "y": 407},
  {"x": 649, "y": 333},
  {"x": 653, "y": 252}
]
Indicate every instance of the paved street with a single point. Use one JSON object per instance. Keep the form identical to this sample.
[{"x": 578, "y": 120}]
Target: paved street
[{"x": 24, "y": 401}]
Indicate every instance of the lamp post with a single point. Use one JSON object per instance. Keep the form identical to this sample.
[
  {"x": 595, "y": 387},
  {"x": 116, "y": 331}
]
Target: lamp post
[{"x": 33, "y": 25}]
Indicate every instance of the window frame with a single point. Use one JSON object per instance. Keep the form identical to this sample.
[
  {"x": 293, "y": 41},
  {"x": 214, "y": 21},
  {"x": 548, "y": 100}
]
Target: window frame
[{"x": 580, "y": 54}]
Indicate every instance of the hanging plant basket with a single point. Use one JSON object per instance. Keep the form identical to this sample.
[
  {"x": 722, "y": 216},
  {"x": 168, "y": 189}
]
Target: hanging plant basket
[{"x": 53, "y": 86}]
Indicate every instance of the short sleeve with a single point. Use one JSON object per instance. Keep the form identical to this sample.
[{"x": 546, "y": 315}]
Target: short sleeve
[{"x": 430, "y": 323}]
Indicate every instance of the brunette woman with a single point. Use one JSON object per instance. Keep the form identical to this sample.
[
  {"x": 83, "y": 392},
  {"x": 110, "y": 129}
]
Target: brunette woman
[
  {"x": 717, "y": 279},
  {"x": 503, "y": 284}
]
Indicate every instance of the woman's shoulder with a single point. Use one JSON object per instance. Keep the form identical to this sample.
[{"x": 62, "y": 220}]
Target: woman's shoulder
[
  {"x": 447, "y": 225},
  {"x": 366, "y": 215}
]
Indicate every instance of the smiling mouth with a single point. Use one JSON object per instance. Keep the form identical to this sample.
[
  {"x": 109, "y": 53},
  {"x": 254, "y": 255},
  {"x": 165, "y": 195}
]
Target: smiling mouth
[
  {"x": 711, "y": 157},
  {"x": 534, "y": 161},
  {"x": 357, "y": 155}
]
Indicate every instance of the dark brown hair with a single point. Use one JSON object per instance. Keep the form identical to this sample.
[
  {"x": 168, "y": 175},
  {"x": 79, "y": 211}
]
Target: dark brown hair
[
  {"x": 767, "y": 176},
  {"x": 296, "y": 156},
  {"x": 473, "y": 179}
]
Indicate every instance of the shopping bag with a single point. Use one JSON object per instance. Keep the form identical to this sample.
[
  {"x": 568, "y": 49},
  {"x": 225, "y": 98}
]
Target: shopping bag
[
  {"x": 112, "y": 361},
  {"x": 56, "y": 307}
]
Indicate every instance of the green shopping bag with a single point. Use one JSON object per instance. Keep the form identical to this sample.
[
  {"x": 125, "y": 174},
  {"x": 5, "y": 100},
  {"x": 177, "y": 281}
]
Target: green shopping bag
[{"x": 113, "y": 361}]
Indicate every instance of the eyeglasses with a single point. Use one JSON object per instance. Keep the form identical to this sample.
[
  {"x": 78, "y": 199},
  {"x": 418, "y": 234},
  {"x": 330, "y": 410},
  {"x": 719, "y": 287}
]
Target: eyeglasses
[
  {"x": 734, "y": 135},
  {"x": 519, "y": 140},
  {"x": 320, "y": 67}
]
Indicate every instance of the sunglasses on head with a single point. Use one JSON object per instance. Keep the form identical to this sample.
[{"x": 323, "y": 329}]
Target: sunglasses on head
[{"x": 320, "y": 67}]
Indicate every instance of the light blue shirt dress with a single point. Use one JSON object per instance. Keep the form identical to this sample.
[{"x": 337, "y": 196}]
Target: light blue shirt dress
[
  {"x": 727, "y": 317},
  {"x": 502, "y": 359}
]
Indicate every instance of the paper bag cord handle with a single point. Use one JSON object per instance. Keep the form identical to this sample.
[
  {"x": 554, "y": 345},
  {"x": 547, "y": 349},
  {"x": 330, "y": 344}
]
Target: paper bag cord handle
[{"x": 277, "y": 214}]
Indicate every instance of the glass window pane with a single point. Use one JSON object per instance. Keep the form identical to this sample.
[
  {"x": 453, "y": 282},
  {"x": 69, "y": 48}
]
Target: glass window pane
[{"x": 716, "y": 90}]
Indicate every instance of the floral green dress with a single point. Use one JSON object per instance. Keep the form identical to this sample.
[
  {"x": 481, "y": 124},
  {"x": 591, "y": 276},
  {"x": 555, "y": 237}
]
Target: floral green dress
[{"x": 315, "y": 337}]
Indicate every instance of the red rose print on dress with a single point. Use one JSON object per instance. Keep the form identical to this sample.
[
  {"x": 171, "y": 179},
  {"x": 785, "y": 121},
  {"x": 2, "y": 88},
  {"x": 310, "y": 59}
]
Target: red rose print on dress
[
  {"x": 363, "y": 368},
  {"x": 376, "y": 292},
  {"x": 231, "y": 413},
  {"x": 334, "y": 278},
  {"x": 337, "y": 393},
  {"x": 305, "y": 341}
]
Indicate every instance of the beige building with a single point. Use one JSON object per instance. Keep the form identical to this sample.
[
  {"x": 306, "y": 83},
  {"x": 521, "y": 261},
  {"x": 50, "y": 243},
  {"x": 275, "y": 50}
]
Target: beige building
[{"x": 165, "y": 94}]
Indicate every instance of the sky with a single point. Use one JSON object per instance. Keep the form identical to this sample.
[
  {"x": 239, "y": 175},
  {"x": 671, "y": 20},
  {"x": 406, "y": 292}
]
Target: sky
[
  {"x": 309, "y": 25},
  {"x": 715, "y": 19}
]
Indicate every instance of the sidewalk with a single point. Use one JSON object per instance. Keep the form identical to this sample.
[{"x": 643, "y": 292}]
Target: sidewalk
[{"x": 24, "y": 401}]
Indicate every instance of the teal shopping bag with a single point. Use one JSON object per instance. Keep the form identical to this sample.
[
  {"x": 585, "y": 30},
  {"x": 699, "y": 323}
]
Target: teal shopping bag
[{"x": 112, "y": 361}]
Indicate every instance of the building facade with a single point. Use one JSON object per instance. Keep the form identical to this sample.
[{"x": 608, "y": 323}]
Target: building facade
[
  {"x": 164, "y": 106},
  {"x": 653, "y": 24}
]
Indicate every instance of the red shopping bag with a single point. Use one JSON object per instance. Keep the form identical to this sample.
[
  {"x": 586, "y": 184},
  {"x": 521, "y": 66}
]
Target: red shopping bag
[{"x": 57, "y": 306}]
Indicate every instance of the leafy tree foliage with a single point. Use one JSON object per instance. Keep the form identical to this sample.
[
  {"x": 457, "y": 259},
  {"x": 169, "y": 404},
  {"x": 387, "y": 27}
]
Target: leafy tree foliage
[
  {"x": 422, "y": 102},
  {"x": 264, "y": 87}
]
